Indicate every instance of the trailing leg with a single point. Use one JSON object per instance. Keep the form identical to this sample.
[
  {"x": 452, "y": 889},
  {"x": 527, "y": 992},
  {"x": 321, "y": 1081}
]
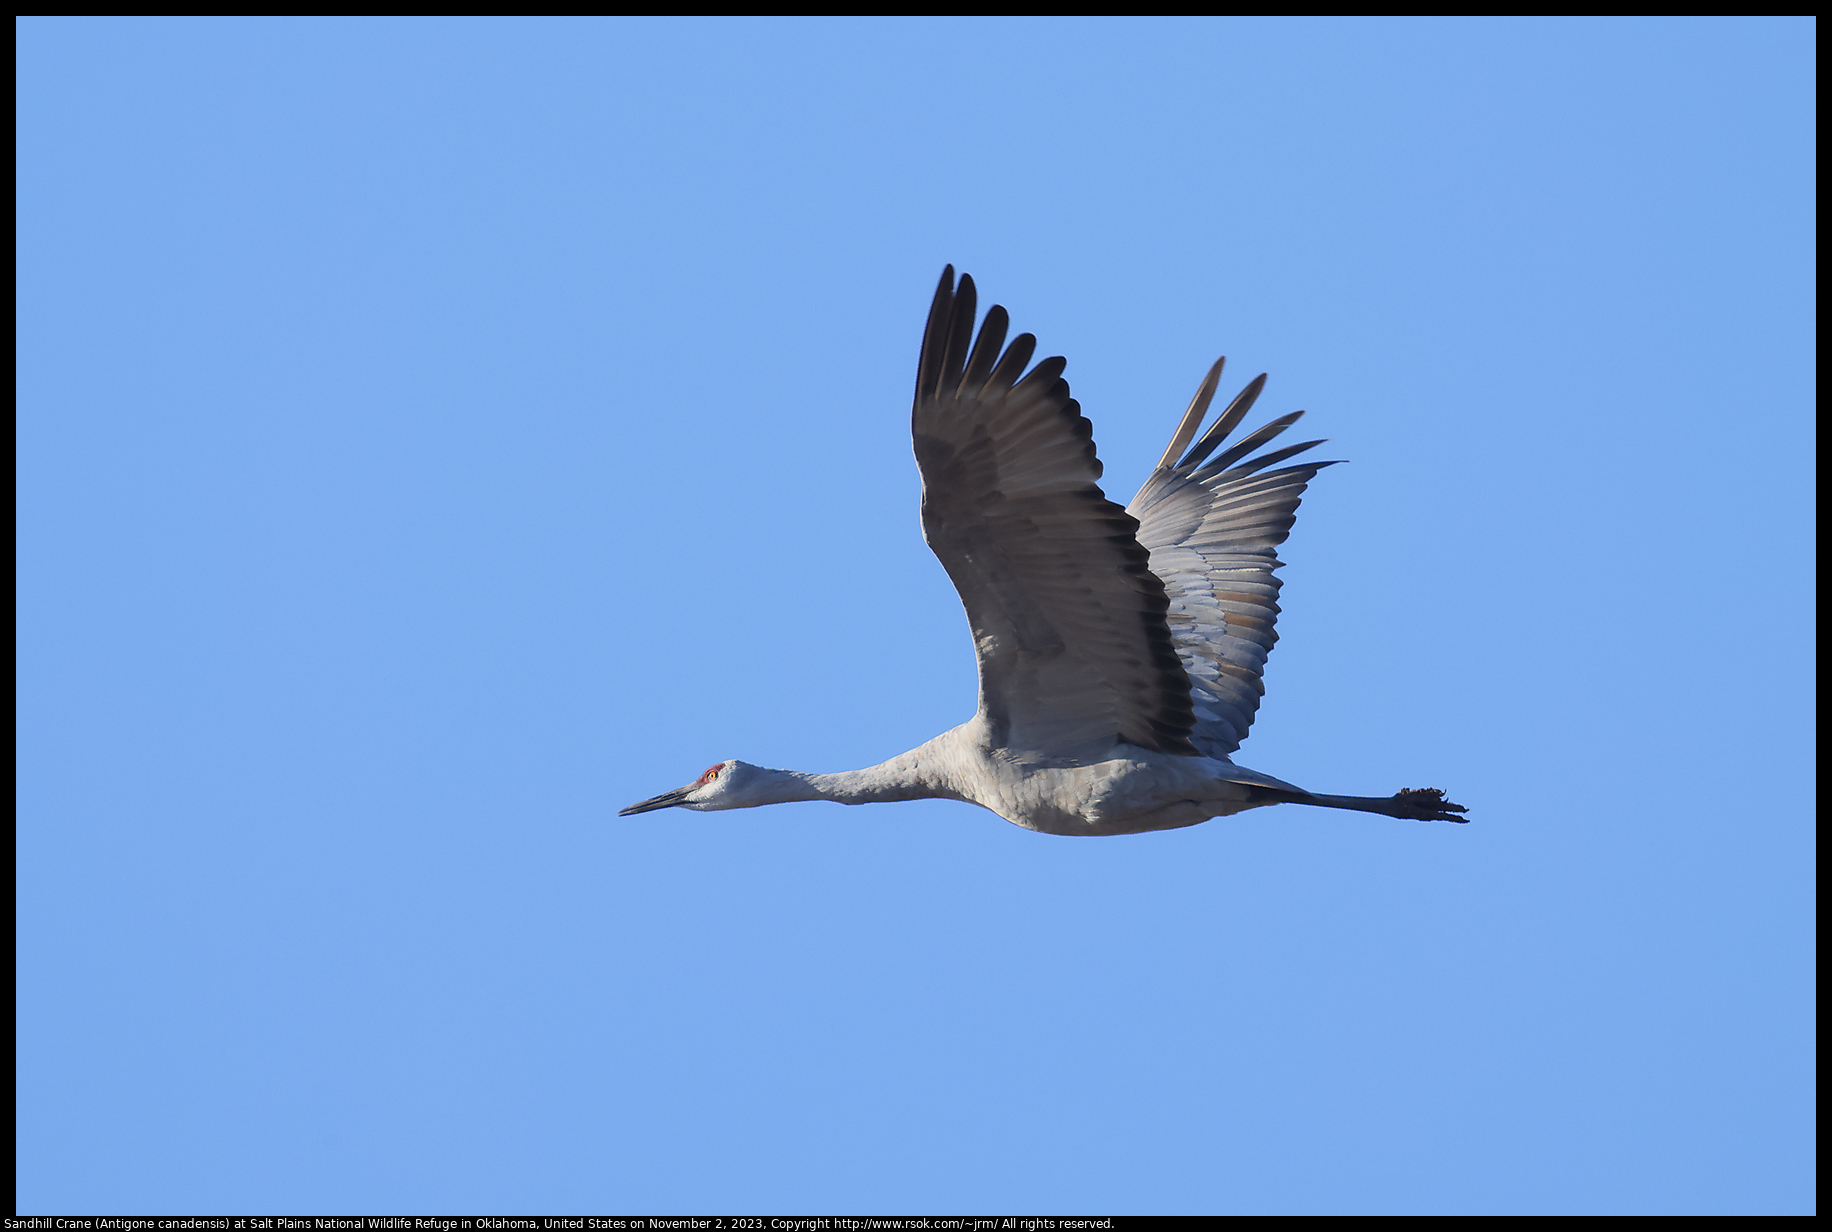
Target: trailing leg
[{"x": 1411, "y": 803}]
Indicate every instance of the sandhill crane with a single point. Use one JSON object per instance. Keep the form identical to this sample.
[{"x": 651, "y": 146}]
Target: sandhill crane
[{"x": 1120, "y": 650}]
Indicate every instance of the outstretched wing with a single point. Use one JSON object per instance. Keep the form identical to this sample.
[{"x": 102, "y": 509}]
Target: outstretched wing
[
  {"x": 1067, "y": 615},
  {"x": 1211, "y": 527}
]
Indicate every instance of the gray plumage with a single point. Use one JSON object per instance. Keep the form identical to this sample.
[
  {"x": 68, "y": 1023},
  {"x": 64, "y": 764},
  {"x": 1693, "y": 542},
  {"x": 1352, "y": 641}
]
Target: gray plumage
[{"x": 1121, "y": 650}]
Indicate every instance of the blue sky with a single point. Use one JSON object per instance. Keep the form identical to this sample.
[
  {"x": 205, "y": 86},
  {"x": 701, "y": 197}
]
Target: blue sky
[{"x": 439, "y": 433}]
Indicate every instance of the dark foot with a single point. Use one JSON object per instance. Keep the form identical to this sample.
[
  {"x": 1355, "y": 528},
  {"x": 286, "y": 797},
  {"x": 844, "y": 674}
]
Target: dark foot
[{"x": 1427, "y": 804}]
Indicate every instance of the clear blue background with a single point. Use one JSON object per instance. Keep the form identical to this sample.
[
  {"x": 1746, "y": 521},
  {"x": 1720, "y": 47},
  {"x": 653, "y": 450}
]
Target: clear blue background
[{"x": 441, "y": 432}]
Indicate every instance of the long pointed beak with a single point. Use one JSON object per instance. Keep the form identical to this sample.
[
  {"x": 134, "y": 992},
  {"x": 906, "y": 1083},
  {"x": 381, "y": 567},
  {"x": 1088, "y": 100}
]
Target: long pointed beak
[{"x": 668, "y": 799}]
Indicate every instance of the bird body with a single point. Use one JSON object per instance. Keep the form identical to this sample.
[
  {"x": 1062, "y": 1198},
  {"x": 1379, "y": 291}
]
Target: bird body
[
  {"x": 1130, "y": 791},
  {"x": 1120, "y": 650}
]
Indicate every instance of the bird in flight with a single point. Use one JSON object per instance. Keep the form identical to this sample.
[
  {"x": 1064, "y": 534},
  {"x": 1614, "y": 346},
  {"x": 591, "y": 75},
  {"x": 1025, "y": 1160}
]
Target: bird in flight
[{"x": 1120, "y": 649}]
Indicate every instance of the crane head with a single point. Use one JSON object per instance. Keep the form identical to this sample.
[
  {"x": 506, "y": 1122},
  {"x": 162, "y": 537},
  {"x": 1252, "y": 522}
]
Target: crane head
[{"x": 712, "y": 790}]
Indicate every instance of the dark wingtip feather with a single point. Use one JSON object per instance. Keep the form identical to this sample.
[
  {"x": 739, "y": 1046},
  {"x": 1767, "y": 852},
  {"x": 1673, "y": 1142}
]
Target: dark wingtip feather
[
  {"x": 1011, "y": 364},
  {"x": 1193, "y": 416},
  {"x": 1265, "y": 460},
  {"x": 1044, "y": 376},
  {"x": 960, "y": 330},
  {"x": 986, "y": 347},
  {"x": 1247, "y": 444},
  {"x": 1230, "y": 419},
  {"x": 929, "y": 365}
]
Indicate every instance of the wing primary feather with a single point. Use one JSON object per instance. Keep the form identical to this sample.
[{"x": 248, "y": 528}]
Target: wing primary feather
[
  {"x": 960, "y": 331},
  {"x": 1043, "y": 377},
  {"x": 1192, "y": 418},
  {"x": 1277, "y": 455},
  {"x": 1247, "y": 444},
  {"x": 1230, "y": 419},
  {"x": 929, "y": 366},
  {"x": 1012, "y": 362},
  {"x": 986, "y": 349}
]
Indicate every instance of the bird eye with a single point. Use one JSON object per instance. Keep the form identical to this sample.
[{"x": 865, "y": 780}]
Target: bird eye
[{"x": 712, "y": 772}]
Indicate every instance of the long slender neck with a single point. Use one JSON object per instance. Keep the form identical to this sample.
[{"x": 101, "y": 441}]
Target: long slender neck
[{"x": 900, "y": 778}]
